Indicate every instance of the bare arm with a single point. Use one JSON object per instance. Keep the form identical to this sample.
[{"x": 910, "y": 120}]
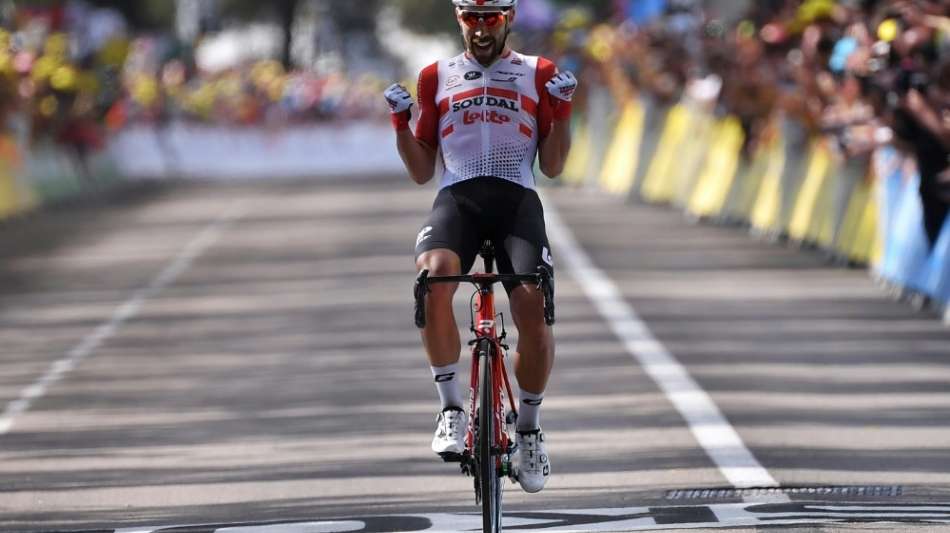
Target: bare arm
[
  {"x": 417, "y": 150},
  {"x": 554, "y": 149},
  {"x": 416, "y": 155},
  {"x": 557, "y": 91}
]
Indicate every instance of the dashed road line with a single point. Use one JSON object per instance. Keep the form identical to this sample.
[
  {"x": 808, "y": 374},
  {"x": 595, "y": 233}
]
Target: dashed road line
[
  {"x": 201, "y": 242},
  {"x": 713, "y": 432}
]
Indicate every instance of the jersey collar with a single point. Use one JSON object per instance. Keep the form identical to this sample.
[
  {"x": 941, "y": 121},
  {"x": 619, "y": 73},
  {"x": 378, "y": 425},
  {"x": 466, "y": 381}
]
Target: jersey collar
[{"x": 472, "y": 60}]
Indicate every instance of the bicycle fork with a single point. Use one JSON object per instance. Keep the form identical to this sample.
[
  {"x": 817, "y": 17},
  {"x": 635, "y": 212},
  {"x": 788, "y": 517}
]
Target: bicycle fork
[{"x": 487, "y": 347}]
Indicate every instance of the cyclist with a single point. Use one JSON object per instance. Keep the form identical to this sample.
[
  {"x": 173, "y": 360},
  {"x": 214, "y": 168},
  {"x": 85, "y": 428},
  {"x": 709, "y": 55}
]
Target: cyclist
[{"x": 485, "y": 115}]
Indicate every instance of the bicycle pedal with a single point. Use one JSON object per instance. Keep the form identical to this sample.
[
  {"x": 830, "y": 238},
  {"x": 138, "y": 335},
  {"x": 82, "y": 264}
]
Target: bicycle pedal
[{"x": 451, "y": 457}]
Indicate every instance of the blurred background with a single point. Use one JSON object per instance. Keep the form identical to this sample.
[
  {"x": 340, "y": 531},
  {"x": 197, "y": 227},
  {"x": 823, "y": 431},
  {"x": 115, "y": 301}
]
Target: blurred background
[
  {"x": 202, "y": 209},
  {"x": 827, "y": 94}
]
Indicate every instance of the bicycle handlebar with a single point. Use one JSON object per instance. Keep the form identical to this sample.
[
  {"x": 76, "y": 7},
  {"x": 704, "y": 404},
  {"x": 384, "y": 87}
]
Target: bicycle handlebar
[{"x": 542, "y": 279}]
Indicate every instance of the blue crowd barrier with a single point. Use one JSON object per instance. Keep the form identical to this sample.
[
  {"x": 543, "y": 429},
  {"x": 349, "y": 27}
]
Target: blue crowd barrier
[
  {"x": 907, "y": 249},
  {"x": 938, "y": 267},
  {"x": 856, "y": 216}
]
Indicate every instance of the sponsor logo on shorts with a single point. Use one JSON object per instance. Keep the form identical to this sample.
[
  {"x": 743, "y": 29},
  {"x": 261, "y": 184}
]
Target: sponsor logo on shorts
[
  {"x": 546, "y": 256},
  {"x": 423, "y": 235}
]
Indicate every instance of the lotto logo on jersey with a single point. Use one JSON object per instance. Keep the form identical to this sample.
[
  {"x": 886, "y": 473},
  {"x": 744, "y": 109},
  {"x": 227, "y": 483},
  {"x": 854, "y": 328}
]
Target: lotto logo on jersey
[
  {"x": 493, "y": 117},
  {"x": 490, "y": 101}
]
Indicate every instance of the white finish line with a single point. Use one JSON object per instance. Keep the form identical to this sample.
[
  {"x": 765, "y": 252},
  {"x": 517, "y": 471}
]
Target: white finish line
[
  {"x": 713, "y": 432},
  {"x": 716, "y": 516},
  {"x": 207, "y": 237}
]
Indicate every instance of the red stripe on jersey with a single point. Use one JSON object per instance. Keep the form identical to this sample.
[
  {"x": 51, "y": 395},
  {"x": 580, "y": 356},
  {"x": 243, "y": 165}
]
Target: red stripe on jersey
[
  {"x": 528, "y": 105},
  {"x": 468, "y": 94},
  {"x": 427, "y": 129},
  {"x": 546, "y": 71},
  {"x": 443, "y": 107},
  {"x": 528, "y": 132},
  {"x": 448, "y": 131},
  {"x": 503, "y": 93}
]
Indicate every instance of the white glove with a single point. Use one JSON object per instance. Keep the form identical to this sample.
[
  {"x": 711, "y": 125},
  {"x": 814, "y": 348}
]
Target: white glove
[
  {"x": 562, "y": 86},
  {"x": 398, "y": 98}
]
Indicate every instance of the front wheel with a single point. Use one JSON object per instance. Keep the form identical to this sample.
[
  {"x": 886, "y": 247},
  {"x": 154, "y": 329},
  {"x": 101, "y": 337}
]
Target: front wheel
[{"x": 489, "y": 479}]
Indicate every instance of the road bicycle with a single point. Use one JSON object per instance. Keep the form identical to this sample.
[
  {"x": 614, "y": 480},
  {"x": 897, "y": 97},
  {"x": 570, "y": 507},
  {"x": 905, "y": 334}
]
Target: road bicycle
[{"x": 489, "y": 442}]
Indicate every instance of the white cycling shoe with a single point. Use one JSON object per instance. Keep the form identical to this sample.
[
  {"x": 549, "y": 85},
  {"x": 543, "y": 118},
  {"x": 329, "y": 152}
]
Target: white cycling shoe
[
  {"x": 532, "y": 464},
  {"x": 449, "y": 438}
]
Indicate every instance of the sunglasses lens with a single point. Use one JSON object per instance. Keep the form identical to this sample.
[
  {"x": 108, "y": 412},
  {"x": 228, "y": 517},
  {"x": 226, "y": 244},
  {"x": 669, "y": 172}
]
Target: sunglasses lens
[{"x": 490, "y": 19}]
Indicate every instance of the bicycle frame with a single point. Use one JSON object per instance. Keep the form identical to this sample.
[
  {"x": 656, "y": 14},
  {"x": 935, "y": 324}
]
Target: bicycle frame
[
  {"x": 485, "y": 329},
  {"x": 488, "y": 449}
]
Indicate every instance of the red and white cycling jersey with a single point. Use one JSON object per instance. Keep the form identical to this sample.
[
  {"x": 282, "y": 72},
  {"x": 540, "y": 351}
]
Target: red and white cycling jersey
[{"x": 486, "y": 121}]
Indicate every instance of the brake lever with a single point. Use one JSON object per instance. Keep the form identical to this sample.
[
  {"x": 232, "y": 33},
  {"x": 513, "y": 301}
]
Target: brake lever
[
  {"x": 419, "y": 291},
  {"x": 547, "y": 290}
]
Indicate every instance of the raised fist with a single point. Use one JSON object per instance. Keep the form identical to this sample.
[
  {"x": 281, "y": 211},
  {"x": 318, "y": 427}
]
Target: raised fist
[
  {"x": 398, "y": 98},
  {"x": 562, "y": 86}
]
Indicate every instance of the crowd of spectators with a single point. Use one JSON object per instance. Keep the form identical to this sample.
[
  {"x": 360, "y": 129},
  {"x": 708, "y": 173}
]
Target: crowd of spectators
[
  {"x": 72, "y": 73},
  {"x": 863, "y": 73},
  {"x": 258, "y": 93}
]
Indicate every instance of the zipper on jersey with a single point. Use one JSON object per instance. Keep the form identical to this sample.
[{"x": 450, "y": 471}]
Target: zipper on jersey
[{"x": 486, "y": 130}]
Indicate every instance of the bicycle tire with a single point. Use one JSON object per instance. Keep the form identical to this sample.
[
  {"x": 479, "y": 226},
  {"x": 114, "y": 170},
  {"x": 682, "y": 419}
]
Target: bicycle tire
[{"x": 490, "y": 481}]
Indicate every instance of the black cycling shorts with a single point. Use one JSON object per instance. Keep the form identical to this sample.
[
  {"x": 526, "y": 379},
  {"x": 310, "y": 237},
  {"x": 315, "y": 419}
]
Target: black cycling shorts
[{"x": 470, "y": 212}]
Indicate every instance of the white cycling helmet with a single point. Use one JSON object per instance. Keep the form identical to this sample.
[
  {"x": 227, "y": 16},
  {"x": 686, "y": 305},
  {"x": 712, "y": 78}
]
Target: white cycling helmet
[{"x": 485, "y": 5}]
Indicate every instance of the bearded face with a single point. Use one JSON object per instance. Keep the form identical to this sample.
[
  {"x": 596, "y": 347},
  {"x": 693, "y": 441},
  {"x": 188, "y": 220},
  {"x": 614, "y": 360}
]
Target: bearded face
[{"x": 485, "y": 33}]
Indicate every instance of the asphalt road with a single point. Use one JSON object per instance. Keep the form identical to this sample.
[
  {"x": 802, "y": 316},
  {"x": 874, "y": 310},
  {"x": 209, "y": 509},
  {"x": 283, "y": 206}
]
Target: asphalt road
[{"x": 243, "y": 356}]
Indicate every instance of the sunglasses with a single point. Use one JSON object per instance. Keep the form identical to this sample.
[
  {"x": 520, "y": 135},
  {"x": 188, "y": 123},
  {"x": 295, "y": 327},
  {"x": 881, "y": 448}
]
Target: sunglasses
[{"x": 490, "y": 19}]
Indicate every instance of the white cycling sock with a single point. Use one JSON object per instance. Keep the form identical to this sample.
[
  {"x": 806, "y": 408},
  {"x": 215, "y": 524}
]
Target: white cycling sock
[
  {"x": 448, "y": 385},
  {"x": 529, "y": 414}
]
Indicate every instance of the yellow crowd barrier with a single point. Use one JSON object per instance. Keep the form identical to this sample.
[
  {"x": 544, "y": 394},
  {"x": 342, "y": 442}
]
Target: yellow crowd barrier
[
  {"x": 657, "y": 185},
  {"x": 575, "y": 168},
  {"x": 46, "y": 173},
  {"x": 620, "y": 165},
  {"x": 697, "y": 164},
  {"x": 9, "y": 203},
  {"x": 765, "y": 170},
  {"x": 766, "y": 207},
  {"x": 719, "y": 172},
  {"x": 14, "y": 197}
]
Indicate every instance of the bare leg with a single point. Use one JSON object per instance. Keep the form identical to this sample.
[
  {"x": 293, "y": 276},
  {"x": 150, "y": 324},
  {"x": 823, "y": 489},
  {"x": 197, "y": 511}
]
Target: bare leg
[
  {"x": 535, "y": 357},
  {"x": 441, "y": 335}
]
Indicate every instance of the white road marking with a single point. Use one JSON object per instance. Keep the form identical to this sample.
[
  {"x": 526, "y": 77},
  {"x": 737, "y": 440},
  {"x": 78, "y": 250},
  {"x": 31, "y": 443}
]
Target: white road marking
[
  {"x": 207, "y": 237},
  {"x": 343, "y": 526},
  {"x": 145, "y": 529},
  {"x": 716, "y": 516},
  {"x": 713, "y": 432}
]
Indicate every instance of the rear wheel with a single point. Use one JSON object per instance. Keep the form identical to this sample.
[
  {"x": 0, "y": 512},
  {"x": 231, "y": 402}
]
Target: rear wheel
[{"x": 489, "y": 480}]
